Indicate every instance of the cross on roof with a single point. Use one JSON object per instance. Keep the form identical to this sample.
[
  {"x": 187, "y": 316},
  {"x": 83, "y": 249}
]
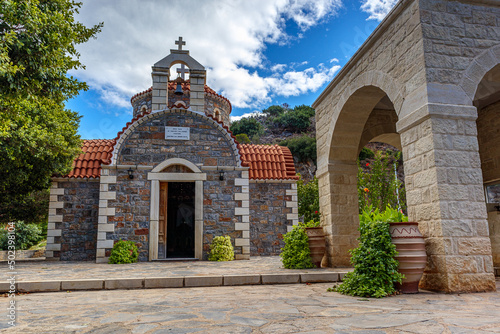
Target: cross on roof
[
  {"x": 180, "y": 42},
  {"x": 182, "y": 71}
]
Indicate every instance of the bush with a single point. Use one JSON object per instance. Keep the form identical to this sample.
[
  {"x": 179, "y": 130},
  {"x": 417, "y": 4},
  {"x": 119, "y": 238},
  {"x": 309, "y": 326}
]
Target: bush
[
  {"x": 293, "y": 120},
  {"x": 27, "y": 235},
  {"x": 380, "y": 187},
  {"x": 366, "y": 153},
  {"x": 296, "y": 253},
  {"x": 308, "y": 199},
  {"x": 249, "y": 126},
  {"x": 274, "y": 111},
  {"x": 242, "y": 138},
  {"x": 124, "y": 252},
  {"x": 375, "y": 268},
  {"x": 303, "y": 148},
  {"x": 221, "y": 249}
]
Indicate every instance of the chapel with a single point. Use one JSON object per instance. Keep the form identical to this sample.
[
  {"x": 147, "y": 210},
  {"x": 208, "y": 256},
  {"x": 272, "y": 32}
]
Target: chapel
[{"x": 173, "y": 179}]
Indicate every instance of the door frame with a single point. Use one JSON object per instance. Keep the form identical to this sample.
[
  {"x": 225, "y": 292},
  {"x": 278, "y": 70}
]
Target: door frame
[{"x": 155, "y": 176}]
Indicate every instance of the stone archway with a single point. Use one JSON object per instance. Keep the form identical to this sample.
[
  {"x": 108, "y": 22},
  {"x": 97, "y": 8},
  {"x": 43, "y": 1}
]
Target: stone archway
[{"x": 357, "y": 123}]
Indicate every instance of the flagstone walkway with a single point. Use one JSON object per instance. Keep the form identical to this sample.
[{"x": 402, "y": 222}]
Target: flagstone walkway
[
  {"x": 252, "y": 309},
  {"x": 42, "y": 276}
]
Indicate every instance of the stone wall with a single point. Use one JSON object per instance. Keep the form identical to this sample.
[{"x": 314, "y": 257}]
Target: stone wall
[
  {"x": 142, "y": 103},
  {"x": 79, "y": 220},
  {"x": 268, "y": 217}
]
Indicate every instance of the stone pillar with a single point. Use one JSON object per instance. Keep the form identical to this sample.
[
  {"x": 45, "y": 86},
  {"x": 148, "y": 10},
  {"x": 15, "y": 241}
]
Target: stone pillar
[
  {"x": 244, "y": 212},
  {"x": 445, "y": 196},
  {"x": 55, "y": 221},
  {"x": 339, "y": 204},
  {"x": 160, "y": 77},
  {"x": 197, "y": 93}
]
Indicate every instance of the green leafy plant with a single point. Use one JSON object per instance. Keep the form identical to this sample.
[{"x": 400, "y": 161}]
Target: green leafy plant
[
  {"x": 366, "y": 153},
  {"x": 311, "y": 223},
  {"x": 124, "y": 252},
  {"x": 296, "y": 253},
  {"x": 308, "y": 199},
  {"x": 303, "y": 148},
  {"x": 375, "y": 268},
  {"x": 26, "y": 235},
  {"x": 295, "y": 120},
  {"x": 242, "y": 138},
  {"x": 221, "y": 249},
  {"x": 379, "y": 186},
  {"x": 249, "y": 126}
]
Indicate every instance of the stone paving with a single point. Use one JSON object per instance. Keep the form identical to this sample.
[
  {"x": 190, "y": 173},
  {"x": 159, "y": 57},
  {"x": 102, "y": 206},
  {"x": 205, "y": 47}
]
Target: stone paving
[
  {"x": 41, "y": 270},
  {"x": 296, "y": 308}
]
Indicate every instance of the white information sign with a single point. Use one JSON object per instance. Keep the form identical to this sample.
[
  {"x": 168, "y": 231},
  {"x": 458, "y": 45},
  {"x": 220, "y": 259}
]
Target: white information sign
[{"x": 176, "y": 133}]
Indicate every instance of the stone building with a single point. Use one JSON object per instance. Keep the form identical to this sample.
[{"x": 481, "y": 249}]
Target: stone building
[
  {"x": 426, "y": 80},
  {"x": 173, "y": 179}
]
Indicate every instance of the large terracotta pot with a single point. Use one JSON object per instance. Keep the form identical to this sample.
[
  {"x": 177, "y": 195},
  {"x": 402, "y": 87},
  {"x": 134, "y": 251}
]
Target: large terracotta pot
[
  {"x": 316, "y": 244},
  {"x": 412, "y": 256}
]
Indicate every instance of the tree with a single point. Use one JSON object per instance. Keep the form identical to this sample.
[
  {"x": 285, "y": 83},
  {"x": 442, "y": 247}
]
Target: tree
[
  {"x": 249, "y": 126},
  {"x": 38, "y": 136},
  {"x": 303, "y": 148},
  {"x": 296, "y": 120}
]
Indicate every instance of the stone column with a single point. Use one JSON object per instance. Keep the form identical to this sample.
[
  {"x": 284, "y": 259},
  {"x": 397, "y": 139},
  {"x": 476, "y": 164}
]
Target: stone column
[
  {"x": 197, "y": 93},
  {"x": 339, "y": 204},
  {"x": 160, "y": 77},
  {"x": 445, "y": 196}
]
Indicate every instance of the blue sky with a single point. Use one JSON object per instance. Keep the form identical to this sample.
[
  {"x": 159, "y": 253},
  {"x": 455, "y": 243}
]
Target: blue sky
[{"x": 257, "y": 53}]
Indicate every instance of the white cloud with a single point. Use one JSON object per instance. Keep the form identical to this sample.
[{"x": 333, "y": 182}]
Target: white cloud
[
  {"x": 251, "y": 114},
  {"x": 228, "y": 37},
  {"x": 377, "y": 9}
]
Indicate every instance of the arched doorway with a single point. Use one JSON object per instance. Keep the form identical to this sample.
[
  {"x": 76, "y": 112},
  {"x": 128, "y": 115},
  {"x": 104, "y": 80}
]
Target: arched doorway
[{"x": 366, "y": 115}]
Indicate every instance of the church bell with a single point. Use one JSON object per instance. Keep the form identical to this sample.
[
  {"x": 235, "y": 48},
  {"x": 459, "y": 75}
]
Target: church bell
[{"x": 178, "y": 88}]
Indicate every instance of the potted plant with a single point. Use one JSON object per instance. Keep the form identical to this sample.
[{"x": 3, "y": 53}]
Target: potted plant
[{"x": 316, "y": 241}]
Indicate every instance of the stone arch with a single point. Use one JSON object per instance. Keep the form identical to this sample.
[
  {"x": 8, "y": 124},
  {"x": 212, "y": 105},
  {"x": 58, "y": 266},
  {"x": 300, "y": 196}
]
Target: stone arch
[
  {"x": 218, "y": 114},
  {"x": 176, "y": 161},
  {"x": 390, "y": 86},
  {"x": 348, "y": 129},
  {"x": 477, "y": 70}
]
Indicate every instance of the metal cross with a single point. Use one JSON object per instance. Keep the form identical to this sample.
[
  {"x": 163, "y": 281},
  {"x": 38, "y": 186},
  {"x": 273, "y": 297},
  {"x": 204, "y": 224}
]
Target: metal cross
[
  {"x": 182, "y": 71},
  {"x": 180, "y": 42}
]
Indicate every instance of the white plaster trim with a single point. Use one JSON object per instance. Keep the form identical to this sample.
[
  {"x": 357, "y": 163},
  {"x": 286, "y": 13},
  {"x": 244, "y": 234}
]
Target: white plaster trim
[
  {"x": 293, "y": 217},
  {"x": 54, "y": 218}
]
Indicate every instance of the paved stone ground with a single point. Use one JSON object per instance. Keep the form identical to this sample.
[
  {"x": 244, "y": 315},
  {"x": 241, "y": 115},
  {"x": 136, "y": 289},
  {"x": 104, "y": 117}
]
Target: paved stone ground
[
  {"x": 43, "y": 270},
  {"x": 252, "y": 309}
]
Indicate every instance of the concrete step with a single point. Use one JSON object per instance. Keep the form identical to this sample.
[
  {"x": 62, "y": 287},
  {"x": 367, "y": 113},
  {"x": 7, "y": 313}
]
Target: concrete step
[{"x": 171, "y": 282}]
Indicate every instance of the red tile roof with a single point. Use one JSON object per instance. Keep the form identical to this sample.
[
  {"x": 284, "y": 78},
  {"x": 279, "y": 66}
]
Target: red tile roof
[
  {"x": 94, "y": 153},
  {"x": 268, "y": 162}
]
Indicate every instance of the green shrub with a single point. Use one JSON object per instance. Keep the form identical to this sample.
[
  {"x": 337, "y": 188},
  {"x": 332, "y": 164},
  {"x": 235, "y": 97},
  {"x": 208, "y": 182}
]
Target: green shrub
[
  {"x": 221, "y": 249},
  {"x": 303, "y": 148},
  {"x": 375, "y": 268},
  {"x": 274, "y": 111},
  {"x": 124, "y": 252},
  {"x": 293, "y": 120},
  {"x": 296, "y": 253},
  {"x": 27, "y": 235},
  {"x": 366, "y": 153},
  {"x": 379, "y": 187},
  {"x": 247, "y": 125},
  {"x": 242, "y": 138},
  {"x": 308, "y": 199},
  {"x": 311, "y": 223}
]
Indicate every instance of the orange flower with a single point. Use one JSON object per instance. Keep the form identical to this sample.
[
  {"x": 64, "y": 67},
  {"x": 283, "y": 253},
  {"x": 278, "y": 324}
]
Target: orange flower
[{"x": 366, "y": 190}]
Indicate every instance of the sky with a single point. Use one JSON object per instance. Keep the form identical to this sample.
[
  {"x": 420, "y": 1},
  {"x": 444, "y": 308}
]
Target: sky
[{"x": 257, "y": 53}]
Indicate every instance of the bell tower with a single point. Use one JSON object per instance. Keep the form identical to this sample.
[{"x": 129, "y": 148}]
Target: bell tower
[{"x": 161, "y": 77}]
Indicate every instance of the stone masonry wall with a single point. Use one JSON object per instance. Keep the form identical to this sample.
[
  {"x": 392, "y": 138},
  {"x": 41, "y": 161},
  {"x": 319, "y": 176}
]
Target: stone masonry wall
[
  {"x": 145, "y": 147},
  {"x": 79, "y": 224},
  {"x": 268, "y": 217},
  {"x": 140, "y": 102}
]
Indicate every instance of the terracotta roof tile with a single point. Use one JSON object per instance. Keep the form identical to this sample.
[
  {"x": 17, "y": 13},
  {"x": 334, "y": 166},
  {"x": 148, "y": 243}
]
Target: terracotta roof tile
[
  {"x": 268, "y": 162},
  {"x": 94, "y": 153}
]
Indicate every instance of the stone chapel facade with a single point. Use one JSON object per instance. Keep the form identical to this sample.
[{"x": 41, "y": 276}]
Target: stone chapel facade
[{"x": 172, "y": 180}]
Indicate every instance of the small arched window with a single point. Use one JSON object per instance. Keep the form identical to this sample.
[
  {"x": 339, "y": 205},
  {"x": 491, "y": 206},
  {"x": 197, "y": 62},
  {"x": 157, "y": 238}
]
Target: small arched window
[{"x": 218, "y": 115}]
